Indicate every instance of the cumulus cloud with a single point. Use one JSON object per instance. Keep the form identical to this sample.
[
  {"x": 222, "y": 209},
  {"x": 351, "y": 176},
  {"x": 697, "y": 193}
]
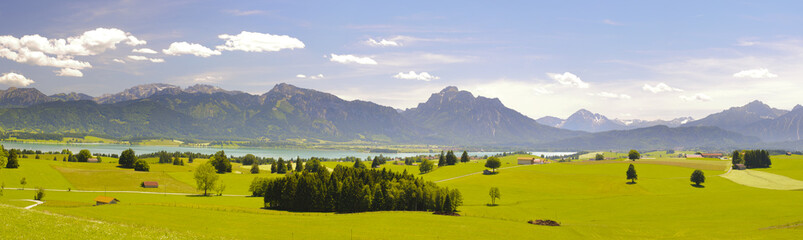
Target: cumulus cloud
[
  {"x": 118, "y": 60},
  {"x": 755, "y": 73},
  {"x": 27, "y": 56},
  {"x": 144, "y": 50},
  {"x": 143, "y": 58},
  {"x": 69, "y": 72},
  {"x": 423, "y": 76},
  {"x": 351, "y": 59},
  {"x": 90, "y": 42},
  {"x": 660, "y": 87},
  {"x": 258, "y": 42},
  {"x": 16, "y": 80},
  {"x": 183, "y": 48},
  {"x": 568, "y": 79},
  {"x": 698, "y": 97},
  {"x": 611, "y": 95},
  {"x": 382, "y": 43},
  {"x": 319, "y": 76},
  {"x": 207, "y": 79}
]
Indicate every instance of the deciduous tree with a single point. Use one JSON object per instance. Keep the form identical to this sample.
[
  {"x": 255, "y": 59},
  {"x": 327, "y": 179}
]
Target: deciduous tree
[
  {"x": 493, "y": 163},
  {"x": 698, "y": 177},
  {"x": 205, "y": 177},
  {"x": 495, "y": 194},
  {"x": 127, "y": 159},
  {"x": 425, "y": 166},
  {"x": 631, "y": 173},
  {"x": 142, "y": 166},
  {"x": 633, "y": 155}
]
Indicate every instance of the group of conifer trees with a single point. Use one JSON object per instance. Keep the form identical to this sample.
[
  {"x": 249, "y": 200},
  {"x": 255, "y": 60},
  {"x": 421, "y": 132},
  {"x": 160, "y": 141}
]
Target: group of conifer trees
[{"x": 349, "y": 189}]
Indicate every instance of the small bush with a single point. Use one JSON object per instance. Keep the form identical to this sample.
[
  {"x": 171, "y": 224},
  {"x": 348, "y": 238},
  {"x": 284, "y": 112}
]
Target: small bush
[{"x": 141, "y": 165}]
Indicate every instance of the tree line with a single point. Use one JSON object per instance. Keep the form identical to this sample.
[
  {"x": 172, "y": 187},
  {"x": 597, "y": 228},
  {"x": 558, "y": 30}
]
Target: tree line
[
  {"x": 752, "y": 158},
  {"x": 349, "y": 189}
]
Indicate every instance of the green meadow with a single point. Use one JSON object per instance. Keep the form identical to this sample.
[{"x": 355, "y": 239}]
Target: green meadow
[{"x": 591, "y": 200}]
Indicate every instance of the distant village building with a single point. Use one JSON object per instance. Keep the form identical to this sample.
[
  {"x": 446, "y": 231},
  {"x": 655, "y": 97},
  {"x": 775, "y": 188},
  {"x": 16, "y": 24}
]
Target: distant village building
[
  {"x": 694, "y": 156},
  {"x": 711, "y": 155},
  {"x": 103, "y": 200},
  {"x": 530, "y": 161},
  {"x": 150, "y": 184},
  {"x": 92, "y": 160}
]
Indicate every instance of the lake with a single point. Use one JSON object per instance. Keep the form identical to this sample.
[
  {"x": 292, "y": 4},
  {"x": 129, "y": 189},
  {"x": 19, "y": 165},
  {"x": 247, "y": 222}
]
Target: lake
[{"x": 260, "y": 152}]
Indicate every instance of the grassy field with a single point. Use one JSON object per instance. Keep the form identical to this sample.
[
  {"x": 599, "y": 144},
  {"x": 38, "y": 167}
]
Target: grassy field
[{"x": 591, "y": 199}]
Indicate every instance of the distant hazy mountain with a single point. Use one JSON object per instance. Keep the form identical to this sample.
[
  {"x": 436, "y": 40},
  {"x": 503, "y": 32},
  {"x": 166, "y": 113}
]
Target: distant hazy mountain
[
  {"x": 786, "y": 127},
  {"x": 636, "y": 123},
  {"x": 73, "y": 96},
  {"x": 736, "y": 118},
  {"x": 656, "y": 137},
  {"x": 22, "y": 97},
  {"x": 551, "y": 121},
  {"x": 584, "y": 120},
  {"x": 138, "y": 92},
  {"x": 208, "y": 89},
  {"x": 456, "y": 116}
]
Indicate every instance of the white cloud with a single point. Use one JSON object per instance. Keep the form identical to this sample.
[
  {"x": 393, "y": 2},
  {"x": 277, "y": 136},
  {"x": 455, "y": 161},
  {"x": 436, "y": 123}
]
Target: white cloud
[
  {"x": 698, "y": 97},
  {"x": 382, "y": 43},
  {"x": 144, "y": 50},
  {"x": 143, "y": 58},
  {"x": 660, "y": 87},
  {"x": 755, "y": 73},
  {"x": 236, "y": 12},
  {"x": 207, "y": 79},
  {"x": 118, "y": 60},
  {"x": 183, "y": 48},
  {"x": 611, "y": 22},
  {"x": 420, "y": 59},
  {"x": 319, "y": 76},
  {"x": 423, "y": 76},
  {"x": 25, "y": 55},
  {"x": 16, "y": 80},
  {"x": 90, "y": 42},
  {"x": 611, "y": 95},
  {"x": 258, "y": 42},
  {"x": 352, "y": 59},
  {"x": 746, "y": 43},
  {"x": 69, "y": 72},
  {"x": 569, "y": 79},
  {"x": 539, "y": 90}
]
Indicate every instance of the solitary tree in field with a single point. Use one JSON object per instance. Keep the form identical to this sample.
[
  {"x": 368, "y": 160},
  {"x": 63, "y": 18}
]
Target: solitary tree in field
[
  {"x": 633, "y": 155},
  {"x": 494, "y": 195},
  {"x": 698, "y": 177},
  {"x": 464, "y": 158},
  {"x": 142, "y": 166},
  {"x": 13, "y": 162},
  {"x": 23, "y": 181},
  {"x": 205, "y": 177},
  {"x": 127, "y": 158},
  {"x": 599, "y": 156},
  {"x": 83, "y": 156},
  {"x": 631, "y": 173},
  {"x": 493, "y": 163},
  {"x": 254, "y": 168},
  {"x": 425, "y": 166}
]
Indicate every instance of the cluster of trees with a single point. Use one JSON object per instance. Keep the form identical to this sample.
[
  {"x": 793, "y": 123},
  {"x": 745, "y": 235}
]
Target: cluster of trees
[
  {"x": 220, "y": 162},
  {"x": 752, "y": 158},
  {"x": 9, "y": 159},
  {"x": 349, "y": 189},
  {"x": 129, "y": 160},
  {"x": 426, "y": 166}
]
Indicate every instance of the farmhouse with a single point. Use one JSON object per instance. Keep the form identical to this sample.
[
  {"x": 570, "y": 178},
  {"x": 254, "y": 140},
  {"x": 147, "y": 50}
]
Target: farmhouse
[
  {"x": 150, "y": 184},
  {"x": 711, "y": 155},
  {"x": 103, "y": 200},
  {"x": 694, "y": 156},
  {"x": 530, "y": 161}
]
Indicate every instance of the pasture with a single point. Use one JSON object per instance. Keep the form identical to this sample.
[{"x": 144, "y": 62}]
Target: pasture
[{"x": 591, "y": 199}]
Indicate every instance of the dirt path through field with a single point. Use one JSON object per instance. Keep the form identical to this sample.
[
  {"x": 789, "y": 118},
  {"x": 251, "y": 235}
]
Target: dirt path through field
[
  {"x": 765, "y": 180},
  {"x": 453, "y": 178}
]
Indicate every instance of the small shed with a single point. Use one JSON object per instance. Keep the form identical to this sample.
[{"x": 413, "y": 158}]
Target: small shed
[
  {"x": 103, "y": 200},
  {"x": 92, "y": 160},
  {"x": 739, "y": 167},
  {"x": 530, "y": 161},
  {"x": 150, "y": 184}
]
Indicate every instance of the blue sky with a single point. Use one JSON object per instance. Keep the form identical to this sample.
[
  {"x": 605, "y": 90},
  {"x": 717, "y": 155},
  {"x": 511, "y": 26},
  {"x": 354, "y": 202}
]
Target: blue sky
[{"x": 624, "y": 59}]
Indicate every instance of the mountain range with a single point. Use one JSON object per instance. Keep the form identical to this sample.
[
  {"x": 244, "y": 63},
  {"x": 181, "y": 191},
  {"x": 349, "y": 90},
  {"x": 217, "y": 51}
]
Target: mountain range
[{"x": 449, "y": 117}]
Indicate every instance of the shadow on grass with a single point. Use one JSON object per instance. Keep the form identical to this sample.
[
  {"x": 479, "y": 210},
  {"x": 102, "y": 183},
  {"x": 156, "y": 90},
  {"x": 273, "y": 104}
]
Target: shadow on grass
[
  {"x": 491, "y": 205},
  {"x": 200, "y": 195},
  {"x": 697, "y": 185},
  {"x": 630, "y": 183}
]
